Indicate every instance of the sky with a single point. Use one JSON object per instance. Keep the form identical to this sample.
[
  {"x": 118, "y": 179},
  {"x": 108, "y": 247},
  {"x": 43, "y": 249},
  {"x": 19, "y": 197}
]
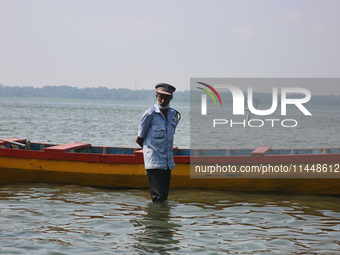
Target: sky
[{"x": 136, "y": 44}]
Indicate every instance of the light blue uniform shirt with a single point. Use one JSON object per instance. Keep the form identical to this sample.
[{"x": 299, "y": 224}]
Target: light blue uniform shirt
[{"x": 158, "y": 134}]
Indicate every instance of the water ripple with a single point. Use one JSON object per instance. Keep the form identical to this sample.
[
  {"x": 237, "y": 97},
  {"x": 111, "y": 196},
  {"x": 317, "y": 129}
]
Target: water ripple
[{"x": 64, "y": 219}]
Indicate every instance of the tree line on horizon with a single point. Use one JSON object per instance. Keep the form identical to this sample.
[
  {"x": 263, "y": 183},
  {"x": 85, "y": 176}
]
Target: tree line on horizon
[{"x": 103, "y": 93}]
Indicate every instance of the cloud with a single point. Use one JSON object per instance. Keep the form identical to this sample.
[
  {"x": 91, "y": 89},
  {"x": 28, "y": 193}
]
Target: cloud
[
  {"x": 319, "y": 28},
  {"x": 139, "y": 23},
  {"x": 292, "y": 17},
  {"x": 244, "y": 33}
]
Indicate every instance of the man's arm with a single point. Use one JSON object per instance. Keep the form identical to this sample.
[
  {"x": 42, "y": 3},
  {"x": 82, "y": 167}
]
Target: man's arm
[
  {"x": 140, "y": 141},
  {"x": 144, "y": 127}
]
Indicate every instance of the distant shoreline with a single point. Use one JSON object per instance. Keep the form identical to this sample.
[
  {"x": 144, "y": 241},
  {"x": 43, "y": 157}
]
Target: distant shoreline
[{"x": 103, "y": 93}]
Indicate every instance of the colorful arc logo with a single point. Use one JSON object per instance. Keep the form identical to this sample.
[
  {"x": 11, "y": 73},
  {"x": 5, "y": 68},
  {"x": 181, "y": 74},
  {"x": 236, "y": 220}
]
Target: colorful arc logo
[{"x": 208, "y": 92}]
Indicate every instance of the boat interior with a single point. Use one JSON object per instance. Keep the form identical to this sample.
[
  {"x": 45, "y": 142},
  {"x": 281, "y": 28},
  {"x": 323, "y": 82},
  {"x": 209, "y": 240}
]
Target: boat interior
[{"x": 88, "y": 148}]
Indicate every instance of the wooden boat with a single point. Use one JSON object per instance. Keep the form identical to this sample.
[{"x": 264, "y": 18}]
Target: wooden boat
[{"x": 311, "y": 171}]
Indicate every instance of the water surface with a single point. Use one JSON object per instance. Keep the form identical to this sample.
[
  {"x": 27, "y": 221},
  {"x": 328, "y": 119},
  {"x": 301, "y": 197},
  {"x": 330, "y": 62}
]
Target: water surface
[
  {"x": 40, "y": 218},
  {"x": 67, "y": 219}
]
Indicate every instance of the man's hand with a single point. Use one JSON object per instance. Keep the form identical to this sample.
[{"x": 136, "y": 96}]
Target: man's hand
[{"x": 140, "y": 141}]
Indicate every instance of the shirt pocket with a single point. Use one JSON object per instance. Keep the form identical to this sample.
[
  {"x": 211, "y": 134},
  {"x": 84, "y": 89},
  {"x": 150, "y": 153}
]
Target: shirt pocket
[
  {"x": 173, "y": 126},
  {"x": 158, "y": 131}
]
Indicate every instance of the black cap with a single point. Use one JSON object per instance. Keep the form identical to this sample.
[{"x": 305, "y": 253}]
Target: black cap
[{"x": 164, "y": 88}]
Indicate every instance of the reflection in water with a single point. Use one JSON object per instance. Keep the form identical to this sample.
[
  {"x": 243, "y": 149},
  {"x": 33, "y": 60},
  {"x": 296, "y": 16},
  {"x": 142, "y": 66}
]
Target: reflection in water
[
  {"x": 159, "y": 230},
  {"x": 68, "y": 219}
]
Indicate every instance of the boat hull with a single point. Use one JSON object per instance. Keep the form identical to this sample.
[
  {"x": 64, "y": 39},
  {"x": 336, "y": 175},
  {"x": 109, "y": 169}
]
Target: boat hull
[
  {"x": 82, "y": 164},
  {"x": 18, "y": 170}
]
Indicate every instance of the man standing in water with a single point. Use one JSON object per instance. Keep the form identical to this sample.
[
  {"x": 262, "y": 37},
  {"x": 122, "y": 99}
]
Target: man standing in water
[{"x": 156, "y": 136}]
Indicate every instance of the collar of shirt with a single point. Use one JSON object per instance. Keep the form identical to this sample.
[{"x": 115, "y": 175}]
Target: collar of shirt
[{"x": 157, "y": 110}]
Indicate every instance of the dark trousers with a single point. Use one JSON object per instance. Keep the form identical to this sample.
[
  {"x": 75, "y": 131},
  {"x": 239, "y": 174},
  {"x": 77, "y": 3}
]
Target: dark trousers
[{"x": 159, "y": 181}]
